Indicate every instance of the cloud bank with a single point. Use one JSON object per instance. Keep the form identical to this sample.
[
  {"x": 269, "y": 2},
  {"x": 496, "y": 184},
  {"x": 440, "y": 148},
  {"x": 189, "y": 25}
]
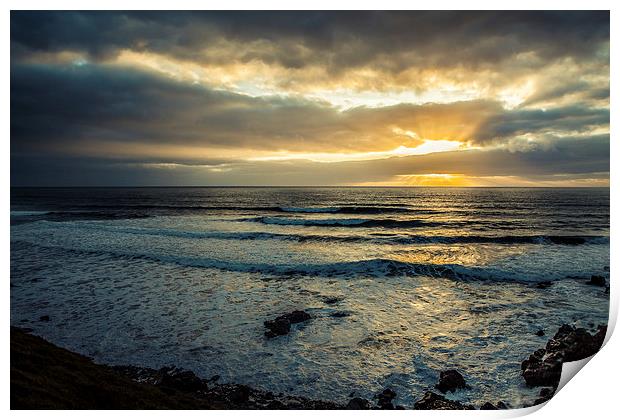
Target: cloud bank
[{"x": 232, "y": 98}]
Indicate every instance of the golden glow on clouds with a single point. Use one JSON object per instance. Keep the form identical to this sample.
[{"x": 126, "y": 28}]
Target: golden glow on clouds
[
  {"x": 426, "y": 147},
  {"x": 514, "y": 96},
  {"x": 392, "y": 132},
  {"x": 460, "y": 180},
  {"x": 357, "y": 87}
]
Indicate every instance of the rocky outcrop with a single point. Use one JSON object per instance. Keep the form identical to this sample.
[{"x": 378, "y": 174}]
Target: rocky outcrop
[
  {"x": 489, "y": 406},
  {"x": 384, "y": 399},
  {"x": 450, "y": 380},
  {"x": 175, "y": 381},
  {"x": 597, "y": 281},
  {"x": 180, "y": 379},
  {"x": 432, "y": 401},
  {"x": 282, "y": 324},
  {"x": 545, "y": 395},
  {"x": 358, "y": 404},
  {"x": 544, "y": 366}
]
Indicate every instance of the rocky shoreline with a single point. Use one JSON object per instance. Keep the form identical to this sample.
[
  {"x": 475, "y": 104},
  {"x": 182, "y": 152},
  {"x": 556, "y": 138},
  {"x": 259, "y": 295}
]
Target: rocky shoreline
[{"x": 46, "y": 376}]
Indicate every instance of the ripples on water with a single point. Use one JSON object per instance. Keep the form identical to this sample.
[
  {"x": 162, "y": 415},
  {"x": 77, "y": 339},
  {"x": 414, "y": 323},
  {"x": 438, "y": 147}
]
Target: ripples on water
[{"x": 427, "y": 279}]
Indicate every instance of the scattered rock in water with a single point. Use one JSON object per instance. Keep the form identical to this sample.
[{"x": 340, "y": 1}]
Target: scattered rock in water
[
  {"x": 384, "y": 399},
  {"x": 540, "y": 333},
  {"x": 543, "y": 285},
  {"x": 44, "y": 318},
  {"x": 340, "y": 314},
  {"x": 544, "y": 366},
  {"x": 282, "y": 324},
  {"x": 597, "y": 281},
  {"x": 358, "y": 404},
  {"x": 298, "y": 316},
  {"x": 501, "y": 405},
  {"x": 432, "y": 401},
  {"x": 277, "y": 327},
  {"x": 331, "y": 300},
  {"x": 450, "y": 380}
]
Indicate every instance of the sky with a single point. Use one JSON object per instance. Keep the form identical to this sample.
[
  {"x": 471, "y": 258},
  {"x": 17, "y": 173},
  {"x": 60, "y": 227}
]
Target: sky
[{"x": 403, "y": 98}]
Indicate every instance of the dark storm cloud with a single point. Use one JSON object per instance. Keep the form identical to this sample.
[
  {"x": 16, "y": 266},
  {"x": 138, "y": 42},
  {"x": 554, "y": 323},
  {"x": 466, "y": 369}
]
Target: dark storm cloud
[
  {"x": 581, "y": 90},
  {"x": 64, "y": 106},
  {"x": 391, "y": 41},
  {"x": 506, "y": 125}
]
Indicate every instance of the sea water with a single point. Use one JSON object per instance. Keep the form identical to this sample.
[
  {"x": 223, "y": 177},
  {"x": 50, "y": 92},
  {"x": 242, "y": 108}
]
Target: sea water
[{"x": 401, "y": 283}]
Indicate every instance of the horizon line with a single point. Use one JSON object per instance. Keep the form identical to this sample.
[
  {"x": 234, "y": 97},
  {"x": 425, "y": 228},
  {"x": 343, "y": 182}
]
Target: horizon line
[{"x": 300, "y": 186}]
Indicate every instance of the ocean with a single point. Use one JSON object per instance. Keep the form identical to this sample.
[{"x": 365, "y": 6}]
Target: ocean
[{"x": 401, "y": 283}]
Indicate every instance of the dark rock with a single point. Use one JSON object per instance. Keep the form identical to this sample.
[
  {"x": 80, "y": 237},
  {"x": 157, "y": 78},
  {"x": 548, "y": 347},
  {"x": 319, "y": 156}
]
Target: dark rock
[
  {"x": 546, "y": 392},
  {"x": 384, "y": 399},
  {"x": 279, "y": 326},
  {"x": 229, "y": 396},
  {"x": 597, "y": 281},
  {"x": 450, "y": 380},
  {"x": 240, "y": 394},
  {"x": 340, "y": 314},
  {"x": 298, "y": 316},
  {"x": 544, "y": 366},
  {"x": 488, "y": 406},
  {"x": 545, "y": 395},
  {"x": 44, "y": 318},
  {"x": 180, "y": 380},
  {"x": 282, "y": 324},
  {"x": 540, "y": 333},
  {"x": 543, "y": 284},
  {"x": 501, "y": 405},
  {"x": 432, "y": 401},
  {"x": 607, "y": 290},
  {"x": 331, "y": 300},
  {"x": 214, "y": 378},
  {"x": 358, "y": 404}
]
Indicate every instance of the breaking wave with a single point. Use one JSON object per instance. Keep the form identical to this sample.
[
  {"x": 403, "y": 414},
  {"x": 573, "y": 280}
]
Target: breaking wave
[
  {"x": 365, "y": 268},
  {"x": 385, "y": 223},
  {"x": 380, "y": 238}
]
